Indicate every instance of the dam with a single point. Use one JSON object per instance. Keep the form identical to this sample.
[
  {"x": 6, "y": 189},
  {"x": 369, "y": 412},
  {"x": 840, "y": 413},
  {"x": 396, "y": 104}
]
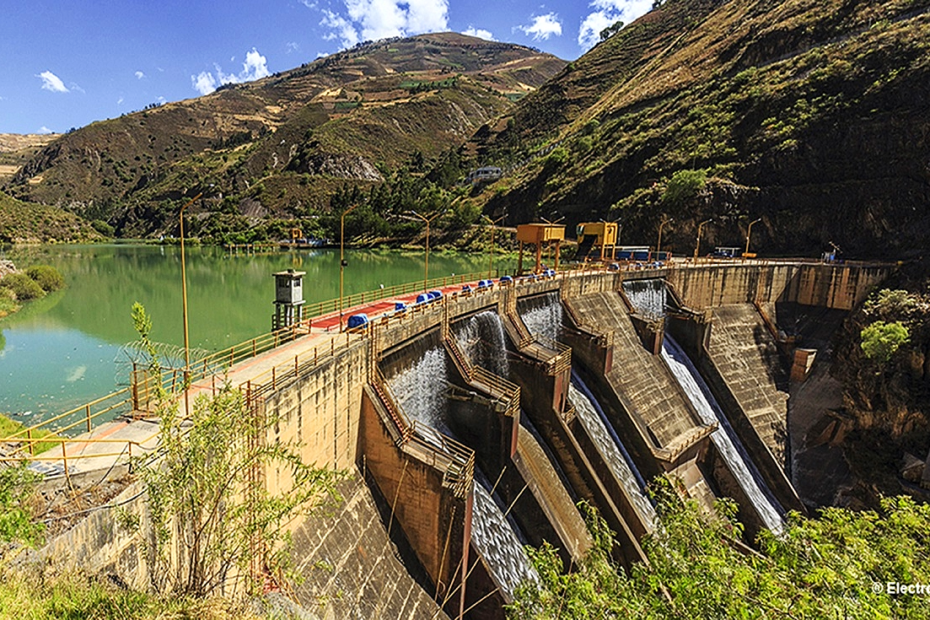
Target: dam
[{"x": 474, "y": 423}]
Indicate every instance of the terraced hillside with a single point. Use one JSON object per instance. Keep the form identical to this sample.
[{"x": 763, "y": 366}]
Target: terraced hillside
[{"x": 283, "y": 145}]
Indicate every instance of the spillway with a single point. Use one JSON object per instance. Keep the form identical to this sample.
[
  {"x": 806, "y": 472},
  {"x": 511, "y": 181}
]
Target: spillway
[
  {"x": 724, "y": 438},
  {"x": 543, "y": 316},
  {"x": 420, "y": 389},
  {"x": 611, "y": 447},
  {"x": 498, "y": 544},
  {"x": 647, "y": 296},
  {"x": 484, "y": 342}
]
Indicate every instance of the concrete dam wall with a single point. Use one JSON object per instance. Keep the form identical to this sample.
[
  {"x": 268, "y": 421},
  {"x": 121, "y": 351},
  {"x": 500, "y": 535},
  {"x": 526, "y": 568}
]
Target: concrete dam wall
[{"x": 475, "y": 424}]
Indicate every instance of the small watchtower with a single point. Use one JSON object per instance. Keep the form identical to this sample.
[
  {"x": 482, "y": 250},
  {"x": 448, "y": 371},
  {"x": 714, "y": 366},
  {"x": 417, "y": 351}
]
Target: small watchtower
[{"x": 288, "y": 299}]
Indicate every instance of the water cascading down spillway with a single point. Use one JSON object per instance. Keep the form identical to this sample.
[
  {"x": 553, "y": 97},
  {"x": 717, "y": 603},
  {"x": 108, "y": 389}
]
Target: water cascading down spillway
[
  {"x": 421, "y": 392},
  {"x": 608, "y": 443},
  {"x": 483, "y": 341},
  {"x": 724, "y": 438},
  {"x": 543, "y": 316},
  {"x": 648, "y": 298},
  {"x": 496, "y": 540}
]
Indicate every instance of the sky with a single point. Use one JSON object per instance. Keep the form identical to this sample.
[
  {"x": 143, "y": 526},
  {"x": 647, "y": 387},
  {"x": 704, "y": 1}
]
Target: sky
[{"x": 67, "y": 63}]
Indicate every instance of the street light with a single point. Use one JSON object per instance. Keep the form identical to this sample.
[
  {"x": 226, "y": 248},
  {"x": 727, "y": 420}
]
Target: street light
[
  {"x": 697, "y": 247},
  {"x": 187, "y": 349},
  {"x": 342, "y": 255},
  {"x": 493, "y": 223},
  {"x": 427, "y": 220},
  {"x": 665, "y": 220},
  {"x": 748, "y": 233}
]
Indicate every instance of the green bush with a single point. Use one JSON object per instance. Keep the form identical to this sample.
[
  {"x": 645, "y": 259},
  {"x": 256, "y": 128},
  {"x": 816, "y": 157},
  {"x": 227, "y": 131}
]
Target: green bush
[
  {"x": 683, "y": 187},
  {"x": 8, "y": 305},
  {"x": 881, "y": 340},
  {"x": 103, "y": 228},
  {"x": 24, "y": 287},
  {"x": 46, "y": 276}
]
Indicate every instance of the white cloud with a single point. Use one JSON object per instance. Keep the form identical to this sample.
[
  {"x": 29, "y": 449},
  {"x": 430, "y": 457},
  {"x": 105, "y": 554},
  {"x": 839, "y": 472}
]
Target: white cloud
[
  {"x": 605, "y": 13},
  {"x": 292, "y": 47},
  {"x": 52, "y": 82},
  {"x": 44, "y": 130},
  {"x": 204, "y": 83},
  {"x": 120, "y": 101},
  {"x": 344, "y": 30},
  {"x": 255, "y": 67},
  {"x": 139, "y": 75},
  {"x": 543, "y": 27},
  {"x": 480, "y": 33},
  {"x": 379, "y": 19}
]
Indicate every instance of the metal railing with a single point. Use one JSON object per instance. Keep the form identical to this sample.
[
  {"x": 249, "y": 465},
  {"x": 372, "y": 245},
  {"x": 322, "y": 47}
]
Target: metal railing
[{"x": 138, "y": 396}]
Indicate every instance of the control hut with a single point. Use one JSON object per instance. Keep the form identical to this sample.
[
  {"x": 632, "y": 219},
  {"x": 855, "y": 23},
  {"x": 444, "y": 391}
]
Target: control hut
[{"x": 289, "y": 298}]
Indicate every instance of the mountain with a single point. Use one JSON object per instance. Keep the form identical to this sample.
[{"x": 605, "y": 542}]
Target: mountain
[
  {"x": 811, "y": 115},
  {"x": 22, "y": 222},
  {"x": 17, "y": 149},
  {"x": 281, "y": 146}
]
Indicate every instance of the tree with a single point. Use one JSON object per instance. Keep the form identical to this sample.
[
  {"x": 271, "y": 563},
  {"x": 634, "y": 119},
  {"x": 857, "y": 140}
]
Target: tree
[
  {"x": 683, "y": 187},
  {"x": 836, "y": 566},
  {"x": 611, "y": 30},
  {"x": 881, "y": 340},
  {"x": 205, "y": 494}
]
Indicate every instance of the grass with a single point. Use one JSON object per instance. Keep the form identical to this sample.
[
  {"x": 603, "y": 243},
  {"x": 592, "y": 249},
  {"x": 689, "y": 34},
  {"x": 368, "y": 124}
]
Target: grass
[
  {"x": 78, "y": 597},
  {"x": 10, "y": 427},
  {"x": 7, "y": 305}
]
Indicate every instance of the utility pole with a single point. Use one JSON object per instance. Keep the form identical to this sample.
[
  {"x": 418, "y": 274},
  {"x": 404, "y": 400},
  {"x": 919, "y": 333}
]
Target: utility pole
[{"x": 697, "y": 246}]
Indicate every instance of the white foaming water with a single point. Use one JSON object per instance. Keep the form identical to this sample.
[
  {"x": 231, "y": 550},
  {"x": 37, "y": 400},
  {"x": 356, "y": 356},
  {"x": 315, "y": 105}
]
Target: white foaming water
[
  {"x": 596, "y": 429},
  {"x": 733, "y": 452},
  {"x": 546, "y": 319},
  {"x": 647, "y": 296},
  {"x": 499, "y": 546},
  {"x": 420, "y": 389},
  {"x": 483, "y": 341}
]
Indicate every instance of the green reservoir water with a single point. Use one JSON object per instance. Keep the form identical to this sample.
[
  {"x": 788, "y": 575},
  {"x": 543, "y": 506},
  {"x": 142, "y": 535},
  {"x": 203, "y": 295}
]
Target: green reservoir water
[{"x": 60, "y": 352}]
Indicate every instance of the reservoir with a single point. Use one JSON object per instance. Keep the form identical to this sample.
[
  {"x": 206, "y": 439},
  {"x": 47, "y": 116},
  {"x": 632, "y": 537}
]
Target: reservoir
[{"x": 62, "y": 351}]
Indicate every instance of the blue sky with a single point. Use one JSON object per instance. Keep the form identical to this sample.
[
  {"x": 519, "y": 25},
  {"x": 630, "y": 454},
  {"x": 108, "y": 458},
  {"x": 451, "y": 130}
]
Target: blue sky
[{"x": 67, "y": 63}]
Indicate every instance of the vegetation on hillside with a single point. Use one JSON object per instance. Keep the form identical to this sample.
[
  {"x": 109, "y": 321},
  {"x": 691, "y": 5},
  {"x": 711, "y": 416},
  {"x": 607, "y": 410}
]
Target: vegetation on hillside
[
  {"x": 278, "y": 149},
  {"x": 885, "y": 370},
  {"x": 80, "y": 597},
  {"x": 34, "y": 223},
  {"x": 842, "y": 564},
  {"x": 19, "y": 287},
  {"x": 810, "y": 115}
]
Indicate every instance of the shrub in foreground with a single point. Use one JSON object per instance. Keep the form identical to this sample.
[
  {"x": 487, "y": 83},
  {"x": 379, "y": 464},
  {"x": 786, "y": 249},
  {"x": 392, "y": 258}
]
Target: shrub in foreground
[
  {"x": 46, "y": 276},
  {"x": 24, "y": 287}
]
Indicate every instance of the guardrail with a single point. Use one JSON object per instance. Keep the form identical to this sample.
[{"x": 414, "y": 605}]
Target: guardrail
[{"x": 138, "y": 396}]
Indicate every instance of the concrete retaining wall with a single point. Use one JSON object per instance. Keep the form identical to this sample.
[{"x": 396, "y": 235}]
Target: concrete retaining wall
[
  {"x": 828, "y": 285},
  {"x": 351, "y": 569}
]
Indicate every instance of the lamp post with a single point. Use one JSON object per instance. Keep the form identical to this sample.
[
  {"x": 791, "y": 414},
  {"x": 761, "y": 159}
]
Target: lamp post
[
  {"x": 749, "y": 233},
  {"x": 187, "y": 349},
  {"x": 665, "y": 220},
  {"x": 426, "y": 268},
  {"x": 697, "y": 246},
  {"x": 342, "y": 255},
  {"x": 493, "y": 223}
]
